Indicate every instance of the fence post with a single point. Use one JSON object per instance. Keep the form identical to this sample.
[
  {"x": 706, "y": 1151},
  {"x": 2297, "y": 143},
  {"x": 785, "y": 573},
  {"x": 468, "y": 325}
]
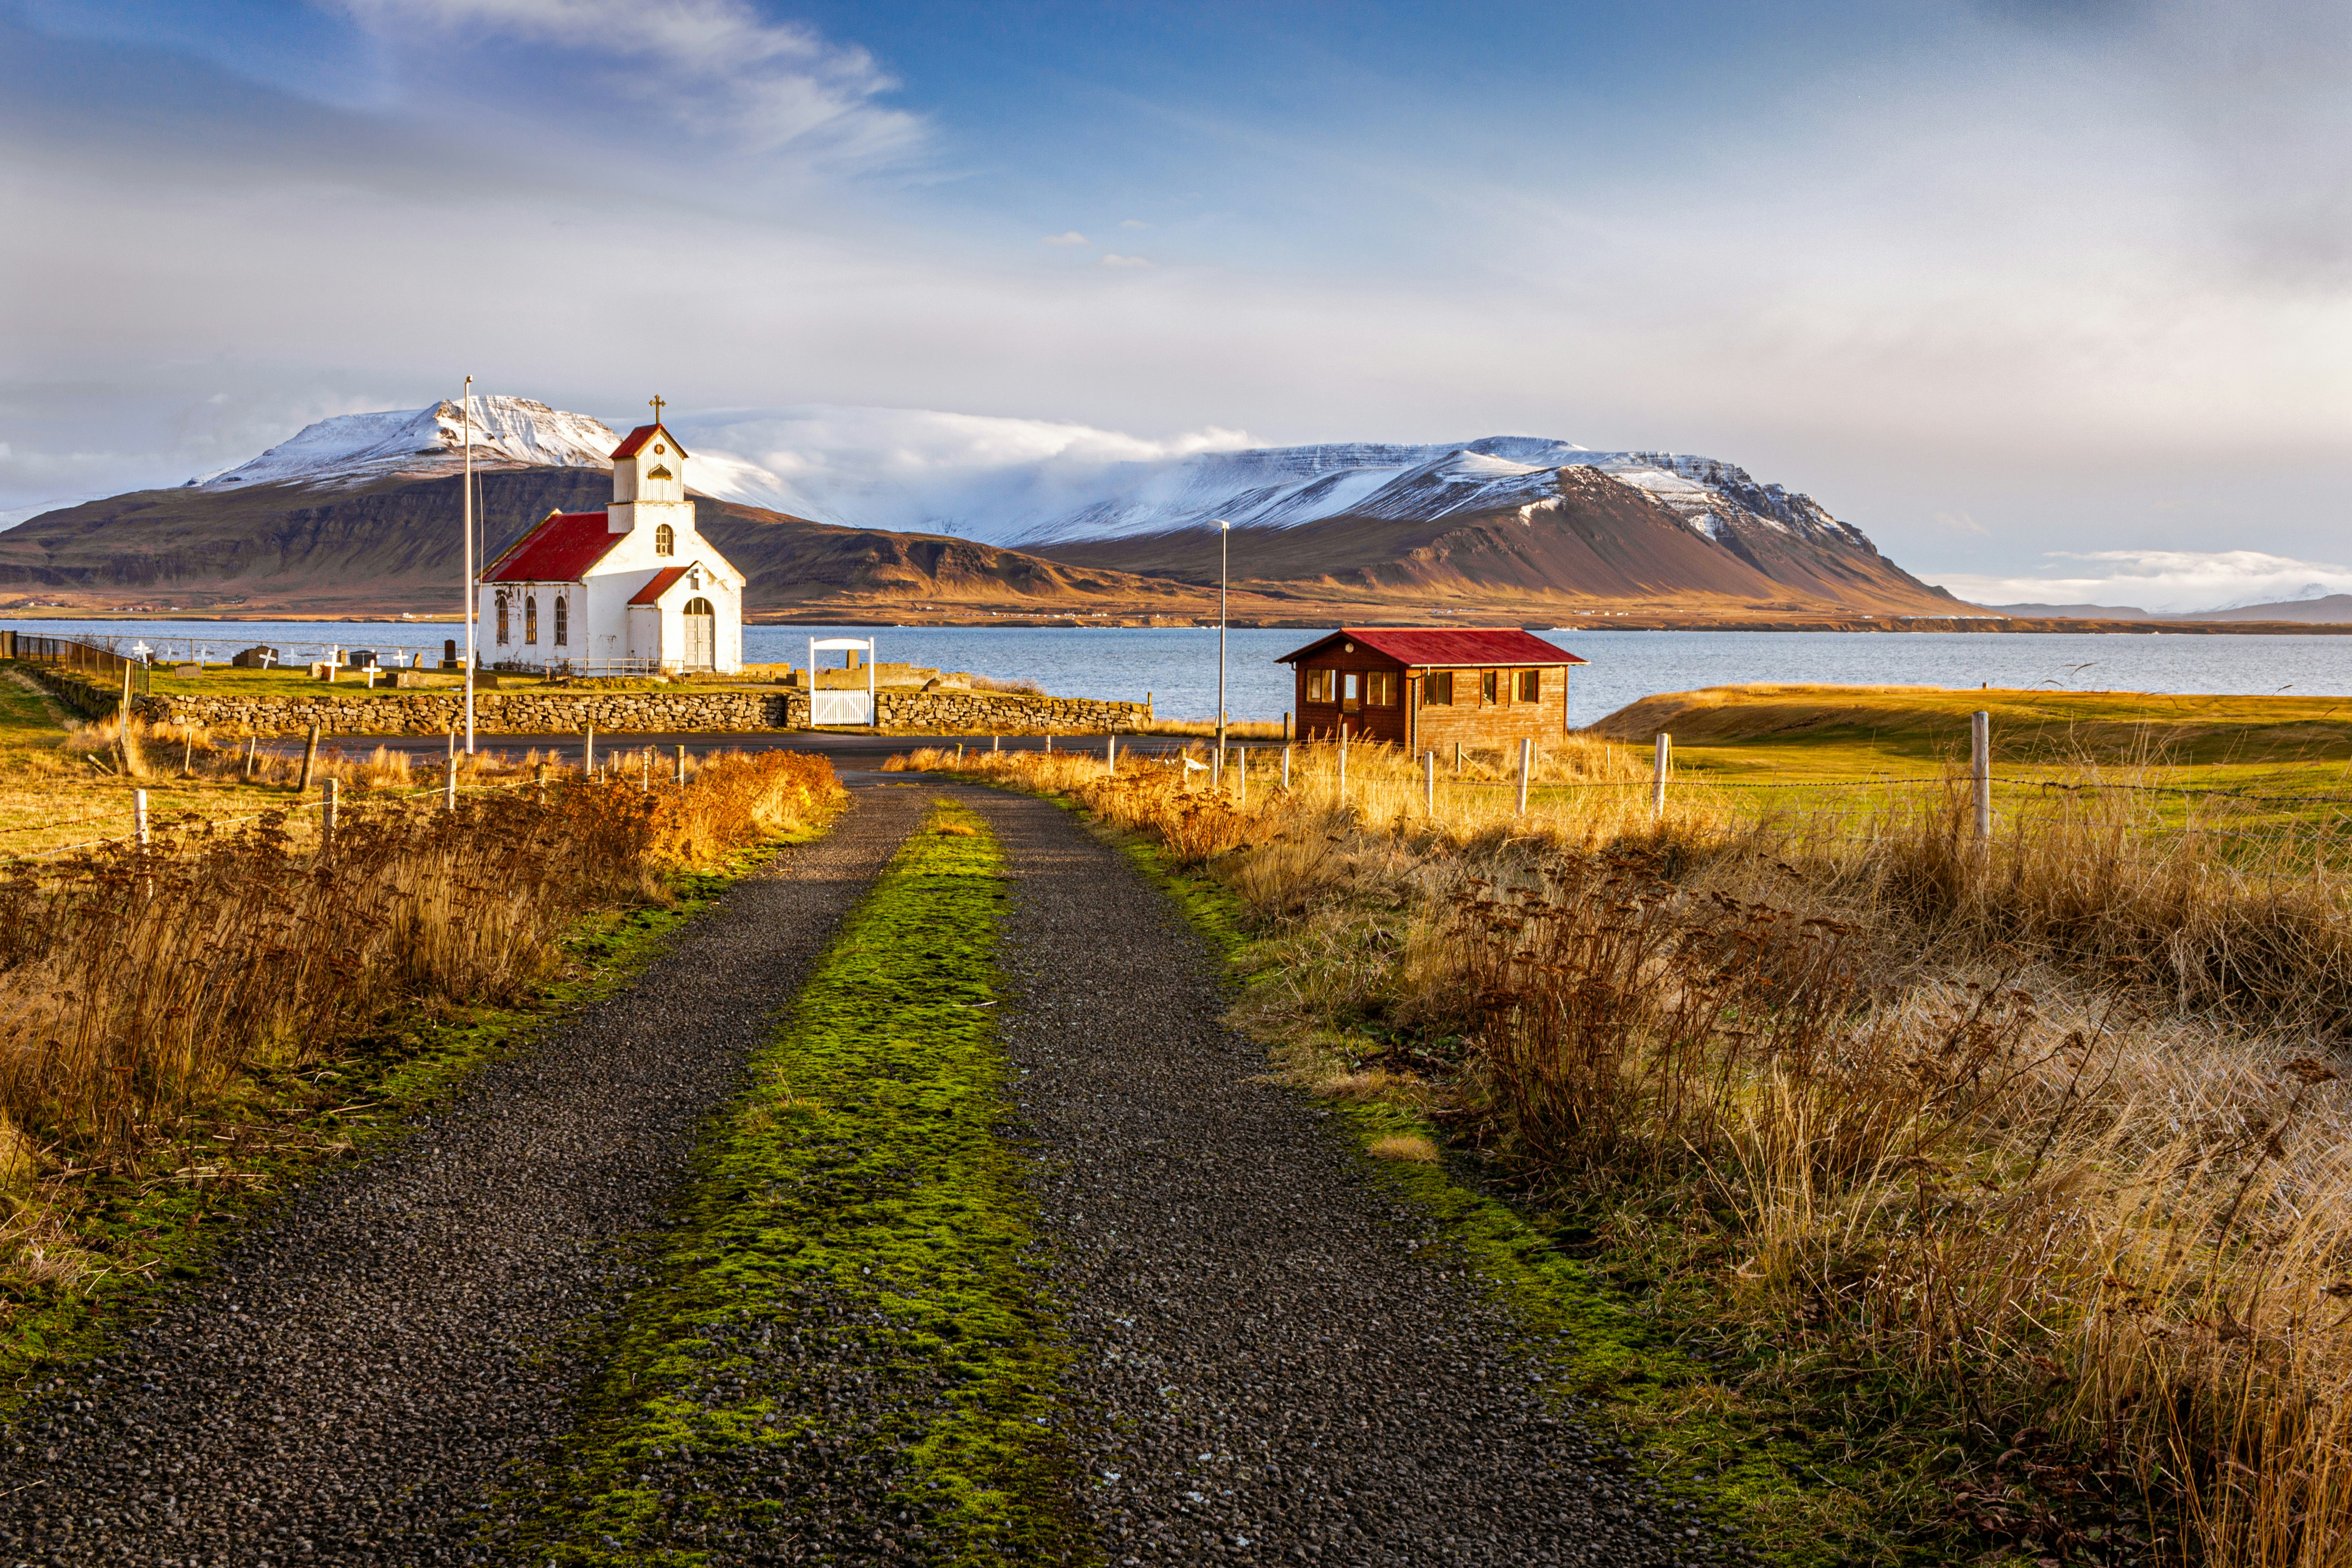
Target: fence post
[
  {"x": 1658, "y": 777},
  {"x": 1457, "y": 759},
  {"x": 449, "y": 784},
  {"x": 139, "y": 816},
  {"x": 681, "y": 767},
  {"x": 1217, "y": 761},
  {"x": 1343, "y": 761},
  {"x": 310, "y": 761},
  {"x": 644, "y": 770},
  {"x": 1286, "y": 758},
  {"x": 588, "y": 756},
  {"x": 1286, "y": 736},
  {"x": 1049, "y": 746},
  {"x": 327, "y": 821},
  {"x": 1429, "y": 783},
  {"x": 539, "y": 784},
  {"x": 1110, "y": 755},
  {"x": 1240, "y": 776},
  {"x": 1526, "y": 771},
  {"x": 996, "y": 742},
  {"x": 252, "y": 755},
  {"x": 1980, "y": 776}
]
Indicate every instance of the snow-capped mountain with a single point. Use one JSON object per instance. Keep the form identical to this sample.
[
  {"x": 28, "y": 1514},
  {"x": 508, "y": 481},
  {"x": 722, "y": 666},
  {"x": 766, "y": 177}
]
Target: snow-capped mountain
[
  {"x": 1027, "y": 501},
  {"x": 424, "y": 443},
  {"x": 942, "y": 480},
  {"x": 357, "y": 511}
]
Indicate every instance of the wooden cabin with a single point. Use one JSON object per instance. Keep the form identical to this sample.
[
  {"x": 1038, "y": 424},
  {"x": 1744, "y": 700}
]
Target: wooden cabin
[{"x": 1425, "y": 688}]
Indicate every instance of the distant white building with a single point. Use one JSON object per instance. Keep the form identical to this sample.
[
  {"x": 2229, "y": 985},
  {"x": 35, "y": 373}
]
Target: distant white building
[{"x": 632, "y": 587}]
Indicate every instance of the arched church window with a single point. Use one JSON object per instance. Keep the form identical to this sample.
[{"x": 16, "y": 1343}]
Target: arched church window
[
  {"x": 530, "y": 617},
  {"x": 502, "y": 620},
  {"x": 563, "y": 622},
  {"x": 664, "y": 539}
]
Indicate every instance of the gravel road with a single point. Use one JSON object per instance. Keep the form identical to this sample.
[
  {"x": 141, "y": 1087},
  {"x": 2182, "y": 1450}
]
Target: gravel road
[
  {"x": 358, "y": 1372},
  {"x": 1272, "y": 1374}
]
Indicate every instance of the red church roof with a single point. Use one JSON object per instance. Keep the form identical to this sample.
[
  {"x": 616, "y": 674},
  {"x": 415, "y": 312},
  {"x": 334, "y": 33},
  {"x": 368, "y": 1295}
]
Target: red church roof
[
  {"x": 1444, "y": 646},
  {"x": 559, "y": 550},
  {"x": 652, "y": 591},
  {"x": 639, "y": 436}
]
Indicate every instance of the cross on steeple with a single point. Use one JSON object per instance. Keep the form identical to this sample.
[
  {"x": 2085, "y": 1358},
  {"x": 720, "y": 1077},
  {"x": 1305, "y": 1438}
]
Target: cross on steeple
[{"x": 657, "y": 402}]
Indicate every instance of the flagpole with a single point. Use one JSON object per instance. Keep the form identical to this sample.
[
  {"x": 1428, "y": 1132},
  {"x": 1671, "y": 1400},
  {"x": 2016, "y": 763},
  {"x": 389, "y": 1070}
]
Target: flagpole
[{"x": 466, "y": 418}]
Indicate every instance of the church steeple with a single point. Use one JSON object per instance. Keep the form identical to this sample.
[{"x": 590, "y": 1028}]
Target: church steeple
[{"x": 649, "y": 478}]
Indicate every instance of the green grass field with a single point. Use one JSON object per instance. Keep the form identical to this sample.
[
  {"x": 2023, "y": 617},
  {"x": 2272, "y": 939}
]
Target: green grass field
[{"x": 1810, "y": 746}]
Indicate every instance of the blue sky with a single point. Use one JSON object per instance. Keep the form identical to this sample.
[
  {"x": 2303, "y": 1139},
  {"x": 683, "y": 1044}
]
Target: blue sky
[{"x": 2028, "y": 291}]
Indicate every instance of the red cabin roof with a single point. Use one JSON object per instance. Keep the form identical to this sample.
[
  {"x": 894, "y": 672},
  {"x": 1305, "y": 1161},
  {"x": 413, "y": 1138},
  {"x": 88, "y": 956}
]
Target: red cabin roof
[
  {"x": 652, "y": 591},
  {"x": 559, "y": 550},
  {"x": 636, "y": 440},
  {"x": 1424, "y": 646}
]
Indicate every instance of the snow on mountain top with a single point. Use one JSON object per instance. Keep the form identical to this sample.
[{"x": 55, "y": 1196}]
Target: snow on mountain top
[
  {"x": 1033, "y": 483},
  {"x": 419, "y": 443}
]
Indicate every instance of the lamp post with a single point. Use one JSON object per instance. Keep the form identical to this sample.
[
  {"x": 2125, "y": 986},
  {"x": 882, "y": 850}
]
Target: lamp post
[
  {"x": 466, "y": 421},
  {"x": 1224, "y": 533}
]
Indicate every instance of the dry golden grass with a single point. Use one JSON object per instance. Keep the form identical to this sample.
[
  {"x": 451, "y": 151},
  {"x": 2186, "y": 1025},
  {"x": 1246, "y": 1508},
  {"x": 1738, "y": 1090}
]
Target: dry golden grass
[
  {"x": 1411, "y": 1147},
  {"x": 2045, "y": 1139},
  {"x": 138, "y": 982}
]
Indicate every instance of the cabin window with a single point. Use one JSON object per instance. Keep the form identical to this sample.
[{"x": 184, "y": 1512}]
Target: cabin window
[
  {"x": 563, "y": 622},
  {"x": 1486, "y": 687},
  {"x": 664, "y": 539},
  {"x": 1437, "y": 688},
  {"x": 1380, "y": 688},
  {"x": 530, "y": 617},
  {"x": 1351, "y": 689},
  {"x": 1321, "y": 684},
  {"x": 1532, "y": 686},
  {"x": 502, "y": 620}
]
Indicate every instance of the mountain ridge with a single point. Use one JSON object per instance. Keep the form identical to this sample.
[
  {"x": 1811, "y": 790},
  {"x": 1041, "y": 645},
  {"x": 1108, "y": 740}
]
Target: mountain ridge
[{"x": 1504, "y": 523}]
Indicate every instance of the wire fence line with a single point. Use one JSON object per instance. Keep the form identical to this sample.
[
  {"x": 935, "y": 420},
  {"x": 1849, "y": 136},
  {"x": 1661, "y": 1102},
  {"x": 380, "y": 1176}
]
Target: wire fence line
[{"x": 184, "y": 819}]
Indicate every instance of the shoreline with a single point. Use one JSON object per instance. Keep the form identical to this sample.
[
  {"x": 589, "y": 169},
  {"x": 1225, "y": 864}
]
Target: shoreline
[{"x": 1613, "y": 622}]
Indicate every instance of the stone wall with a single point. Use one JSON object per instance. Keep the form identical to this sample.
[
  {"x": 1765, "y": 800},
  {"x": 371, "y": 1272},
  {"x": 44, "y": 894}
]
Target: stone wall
[
  {"x": 553, "y": 712},
  {"x": 558, "y": 711},
  {"x": 958, "y": 712}
]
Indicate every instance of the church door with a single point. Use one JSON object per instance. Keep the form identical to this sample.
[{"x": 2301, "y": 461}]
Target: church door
[{"x": 701, "y": 634}]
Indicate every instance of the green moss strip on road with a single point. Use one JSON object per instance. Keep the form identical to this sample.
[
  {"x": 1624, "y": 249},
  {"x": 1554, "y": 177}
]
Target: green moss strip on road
[{"x": 845, "y": 1351}]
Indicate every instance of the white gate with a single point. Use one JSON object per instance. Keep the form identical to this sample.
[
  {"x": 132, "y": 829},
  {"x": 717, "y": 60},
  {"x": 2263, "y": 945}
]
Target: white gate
[{"x": 841, "y": 707}]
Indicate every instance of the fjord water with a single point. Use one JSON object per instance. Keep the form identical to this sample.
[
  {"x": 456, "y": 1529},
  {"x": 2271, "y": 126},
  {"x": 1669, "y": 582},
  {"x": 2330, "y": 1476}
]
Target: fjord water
[{"x": 1178, "y": 665}]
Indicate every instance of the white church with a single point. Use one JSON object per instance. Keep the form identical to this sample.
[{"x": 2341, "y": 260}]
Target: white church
[{"x": 631, "y": 587}]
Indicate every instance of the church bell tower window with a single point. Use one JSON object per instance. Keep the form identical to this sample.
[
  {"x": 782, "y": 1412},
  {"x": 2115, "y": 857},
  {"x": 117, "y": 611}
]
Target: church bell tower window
[{"x": 664, "y": 539}]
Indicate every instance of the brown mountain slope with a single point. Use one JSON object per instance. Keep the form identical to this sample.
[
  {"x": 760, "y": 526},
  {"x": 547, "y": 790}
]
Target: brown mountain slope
[
  {"x": 396, "y": 546},
  {"x": 1600, "y": 541}
]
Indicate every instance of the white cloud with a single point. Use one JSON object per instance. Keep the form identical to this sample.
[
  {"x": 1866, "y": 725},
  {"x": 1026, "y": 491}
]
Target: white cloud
[
  {"x": 715, "y": 66},
  {"x": 2175, "y": 581},
  {"x": 1070, "y": 238},
  {"x": 908, "y": 467},
  {"x": 1112, "y": 258}
]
